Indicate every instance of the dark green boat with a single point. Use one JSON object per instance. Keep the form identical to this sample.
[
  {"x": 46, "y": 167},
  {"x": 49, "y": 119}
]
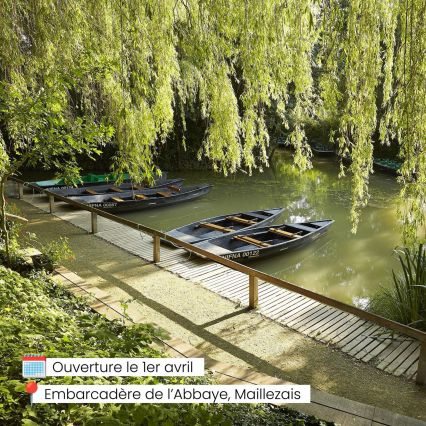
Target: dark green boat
[
  {"x": 387, "y": 165},
  {"x": 90, "y": 179},
  {"x": 323, "y": 150}
]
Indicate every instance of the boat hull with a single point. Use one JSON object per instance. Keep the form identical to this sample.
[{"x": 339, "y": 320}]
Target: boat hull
[
  {"x": 318, "y": 152},
  {"x": 223, "y": 246},
  {"x": 104, "y": 202},
  {"x": 106, "y": 189},
  {"x": 86, "y": 180},
  {"x": 194, "y": 233},
  {"x": 386, "y": 166}
]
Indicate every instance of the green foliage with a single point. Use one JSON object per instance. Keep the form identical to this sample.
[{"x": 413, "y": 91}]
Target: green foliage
[
  {"x": 38, "y": 315},
  {"x": 75, "y": 74},
  {"x": 52, "y": 253},
  {"x": 269, "y": 415},
  {"x": 405, "y": 302},
  {"x": 14, "y": 229},
  {"x": 372, "y": 84}
]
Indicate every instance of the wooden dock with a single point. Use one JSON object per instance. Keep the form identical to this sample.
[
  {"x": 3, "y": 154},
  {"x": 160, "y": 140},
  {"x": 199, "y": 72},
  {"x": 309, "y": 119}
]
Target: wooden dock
[{"x": 363, "y": 340}]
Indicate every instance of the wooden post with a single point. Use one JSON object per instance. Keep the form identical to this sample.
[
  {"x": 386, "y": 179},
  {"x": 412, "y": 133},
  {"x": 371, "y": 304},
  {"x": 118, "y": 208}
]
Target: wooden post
[
  {"x": 51, "y": 203},
  {"x": 94, "y": 217},
  {"x": 156, "y": 253},
  {"x": 421, "y": 368},
  {"x": 20, "y": 191},
  {"x": 253, "y": 292}
]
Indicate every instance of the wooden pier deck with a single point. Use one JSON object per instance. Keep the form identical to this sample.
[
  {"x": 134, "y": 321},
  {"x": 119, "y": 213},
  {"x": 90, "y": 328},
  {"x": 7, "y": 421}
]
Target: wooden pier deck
[{"x": 388, "y": 351}]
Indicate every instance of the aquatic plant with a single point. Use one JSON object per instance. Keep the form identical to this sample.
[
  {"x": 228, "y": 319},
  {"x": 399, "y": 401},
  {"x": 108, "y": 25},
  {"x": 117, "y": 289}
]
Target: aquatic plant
[{"x": 405, "y": 301}]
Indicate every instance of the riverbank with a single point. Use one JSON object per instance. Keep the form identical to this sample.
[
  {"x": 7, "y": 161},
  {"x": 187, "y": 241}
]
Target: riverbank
[{"x": 222, "y": 330}]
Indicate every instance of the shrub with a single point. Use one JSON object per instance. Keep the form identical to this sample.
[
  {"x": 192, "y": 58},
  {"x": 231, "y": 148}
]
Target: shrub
[
  {"x": 405, "y": 301},
  {"x": 53, "y": 253}
]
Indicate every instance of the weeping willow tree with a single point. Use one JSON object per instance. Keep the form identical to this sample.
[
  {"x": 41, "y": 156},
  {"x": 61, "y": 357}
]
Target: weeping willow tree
[
  {"x": 78, "y": 75},
  {"x": 374, "y": 81}
]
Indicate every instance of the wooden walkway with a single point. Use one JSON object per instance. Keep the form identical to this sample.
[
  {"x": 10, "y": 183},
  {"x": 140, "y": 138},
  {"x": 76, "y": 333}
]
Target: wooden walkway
[{"x": 363, "y": 340}]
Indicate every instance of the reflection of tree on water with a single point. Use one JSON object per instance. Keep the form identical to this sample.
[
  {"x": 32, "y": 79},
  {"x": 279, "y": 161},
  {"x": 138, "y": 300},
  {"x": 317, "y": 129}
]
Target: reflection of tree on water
[
  {"x": 342, "y": 265},
  {"x": 305, "y": 195}
]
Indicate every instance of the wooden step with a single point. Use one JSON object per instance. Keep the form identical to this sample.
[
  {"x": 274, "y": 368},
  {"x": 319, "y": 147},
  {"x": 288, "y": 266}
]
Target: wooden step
[
  {"x": 215, "y": 227},
  {"x": 251, "y": 240},
  {"x": 241, "y": 220},
  {"x": 284, "y": 233}
]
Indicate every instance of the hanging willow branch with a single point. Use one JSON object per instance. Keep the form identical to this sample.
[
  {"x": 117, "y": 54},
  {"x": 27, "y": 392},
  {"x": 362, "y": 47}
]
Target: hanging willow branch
[{"x": 72, "y": 74}]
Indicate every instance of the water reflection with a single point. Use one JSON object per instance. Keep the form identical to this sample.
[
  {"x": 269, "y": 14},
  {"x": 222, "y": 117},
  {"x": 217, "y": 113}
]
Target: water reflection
[{"x": 341, "y": 265}]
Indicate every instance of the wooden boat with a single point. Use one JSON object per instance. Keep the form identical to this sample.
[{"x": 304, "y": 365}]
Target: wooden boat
[
  {"x": 387, "y": 165},
  {"x": 266, "y": 241},
  {"x": 143, "y": 199},
  {"x": 112, "y": 188},
  {"x": 323, "y": 150},
  {"x": 281, "y": 141},
  {"x": 228, "y": 224},
  {"x": 85, "y": 180},
  {"x": 90, "y": 179}
]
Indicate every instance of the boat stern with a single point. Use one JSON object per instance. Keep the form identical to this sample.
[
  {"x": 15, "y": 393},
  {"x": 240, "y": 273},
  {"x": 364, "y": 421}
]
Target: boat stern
[
  {"x": 213, "y": 248},
  {"x": 186, "y": 238}
]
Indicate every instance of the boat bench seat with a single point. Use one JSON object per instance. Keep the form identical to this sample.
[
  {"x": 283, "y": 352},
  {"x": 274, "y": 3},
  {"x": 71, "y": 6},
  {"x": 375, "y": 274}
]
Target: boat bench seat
[
  {"x": 174, "y": 187},
  {"x": 163, "y": 194},
  {"x": 215, "y": 227},
  {"x": 284, "y": 233},
  {"x": 115, "y": 189},
  {"x": 251, "y": 240},
  {"x": 141, "y": 197},
  {"x": 117, "y": 199},
  {"x": 91, "y": 192},
  {"x": 241, "y": 220}
]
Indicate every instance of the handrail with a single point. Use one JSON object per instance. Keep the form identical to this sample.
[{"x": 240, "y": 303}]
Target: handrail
[{"x": 252, "y": 273}]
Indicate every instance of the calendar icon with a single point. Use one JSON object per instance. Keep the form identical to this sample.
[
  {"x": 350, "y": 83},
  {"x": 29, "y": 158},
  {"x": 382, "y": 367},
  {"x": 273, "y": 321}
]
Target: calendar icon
[{"x": 34, "y": 366}]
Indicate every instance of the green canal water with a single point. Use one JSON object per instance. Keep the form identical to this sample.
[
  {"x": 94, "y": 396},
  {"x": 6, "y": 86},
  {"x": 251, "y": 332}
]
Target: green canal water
[{"x": 341, "y": 265}]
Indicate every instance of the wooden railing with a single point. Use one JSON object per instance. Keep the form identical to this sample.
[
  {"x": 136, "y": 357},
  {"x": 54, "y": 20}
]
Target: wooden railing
[{"x": 253, "y": 275}]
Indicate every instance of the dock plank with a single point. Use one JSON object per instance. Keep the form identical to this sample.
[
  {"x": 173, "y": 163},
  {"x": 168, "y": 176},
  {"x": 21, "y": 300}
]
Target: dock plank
[{"x": 392, "y": 366}]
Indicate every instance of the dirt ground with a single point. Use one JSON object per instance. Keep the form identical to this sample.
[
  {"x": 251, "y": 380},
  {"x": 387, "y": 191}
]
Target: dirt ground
[{"x": 221, "y": 329}]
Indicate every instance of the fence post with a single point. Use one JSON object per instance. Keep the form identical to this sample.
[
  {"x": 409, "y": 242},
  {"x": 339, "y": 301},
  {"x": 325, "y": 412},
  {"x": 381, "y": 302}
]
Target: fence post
[
  {"x": 421, "y": 368},
  {"x": 156, "y": 252},
  {"x": 20, "y": 190},
  {"x": 253, "y": 292},
  {"x": 51, "y": 203},
  {"x": 94, "y": 221}
]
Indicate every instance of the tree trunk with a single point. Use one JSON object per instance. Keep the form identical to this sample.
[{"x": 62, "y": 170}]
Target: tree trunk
[{"x": 3, "y": 220}]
